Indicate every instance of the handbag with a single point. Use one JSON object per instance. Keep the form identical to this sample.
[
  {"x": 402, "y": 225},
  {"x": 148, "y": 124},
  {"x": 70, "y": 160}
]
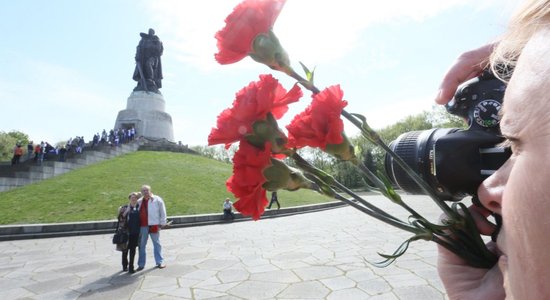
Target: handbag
[{"x": 120, "y": 237}]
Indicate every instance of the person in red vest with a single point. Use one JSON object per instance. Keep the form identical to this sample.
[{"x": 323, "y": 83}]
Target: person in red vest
[
  {"x": 17, "y": 152},
  {"x": 152, "y": 216},
  {"x": 37, "y": 151}
]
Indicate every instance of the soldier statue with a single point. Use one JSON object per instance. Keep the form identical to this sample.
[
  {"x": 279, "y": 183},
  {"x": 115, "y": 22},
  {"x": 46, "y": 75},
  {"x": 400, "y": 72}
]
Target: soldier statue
[{"x": 148, "y": 72}]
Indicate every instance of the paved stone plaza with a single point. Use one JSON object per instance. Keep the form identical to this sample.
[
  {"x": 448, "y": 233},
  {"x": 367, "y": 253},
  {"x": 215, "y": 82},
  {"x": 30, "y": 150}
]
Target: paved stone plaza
[{"x": 321, "y": 255}]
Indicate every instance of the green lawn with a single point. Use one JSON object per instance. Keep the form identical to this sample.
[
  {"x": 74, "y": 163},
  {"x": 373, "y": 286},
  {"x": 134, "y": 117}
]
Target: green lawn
[{"x": 189, "y": 184}]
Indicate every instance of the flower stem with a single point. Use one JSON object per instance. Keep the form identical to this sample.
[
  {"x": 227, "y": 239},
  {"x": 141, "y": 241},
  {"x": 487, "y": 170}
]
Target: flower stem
[
  {"x": 304, "y": 82},
  {"x": 381, "y": 186},
  {"x": 391, "y": 221},
  {"x": 423, "y": 185},
  {"x": 363, "y": 201},
  {"x": 329, "y": 180}
]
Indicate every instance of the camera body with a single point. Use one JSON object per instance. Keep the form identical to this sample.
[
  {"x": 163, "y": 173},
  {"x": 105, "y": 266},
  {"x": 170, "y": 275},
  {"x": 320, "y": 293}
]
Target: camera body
[{"x": 454, "y": 161}]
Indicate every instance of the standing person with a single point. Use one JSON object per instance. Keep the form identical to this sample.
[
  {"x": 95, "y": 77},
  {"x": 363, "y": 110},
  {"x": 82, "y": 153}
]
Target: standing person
[
  {"x": 228, "y": 209},
  {"x": 132, "y": 220},
  {"x": 132, "y": 133},
  {"x": 122, "y": 227},
  {"x": 152, "y": 216},
  {"x": 62, "y": 153},
  {"x": 274, "y": 199},
  {"x": 518, "y": 191},
  {"x": 43, "y": 152},
  {"x": 17, "y": 153},
  {"x": 37, "y": 151},
  {"x": 30, "y": 148}
]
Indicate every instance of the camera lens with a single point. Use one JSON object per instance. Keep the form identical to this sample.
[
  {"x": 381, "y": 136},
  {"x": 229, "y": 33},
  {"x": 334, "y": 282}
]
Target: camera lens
[
  {"x": 416, "y": 148},
  {"x": 452, "y": 161}
]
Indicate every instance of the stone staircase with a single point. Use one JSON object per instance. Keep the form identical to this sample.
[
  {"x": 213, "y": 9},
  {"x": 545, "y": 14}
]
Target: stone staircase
[{"x": 29, "y": 171}]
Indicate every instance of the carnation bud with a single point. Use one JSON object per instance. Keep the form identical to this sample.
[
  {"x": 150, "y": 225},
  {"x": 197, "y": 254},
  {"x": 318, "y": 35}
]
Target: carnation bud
[
  {"x": 268, "y": 50},
  {"x": 281, "y": 176},
  {"x": 267, "y": 131},
  {"x": 343, "y": 151}
]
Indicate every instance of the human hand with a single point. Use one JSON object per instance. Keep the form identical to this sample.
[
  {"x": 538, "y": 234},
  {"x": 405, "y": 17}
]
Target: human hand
[
  {"x": 467, "y": 66},
  {"x": 167, "y": 225},
  {"x": 464, "y": 282}
]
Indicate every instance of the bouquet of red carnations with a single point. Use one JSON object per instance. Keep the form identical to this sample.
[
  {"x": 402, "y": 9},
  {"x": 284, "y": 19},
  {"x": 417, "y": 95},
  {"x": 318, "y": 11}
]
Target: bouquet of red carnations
[{"x": 258, "y": 166}]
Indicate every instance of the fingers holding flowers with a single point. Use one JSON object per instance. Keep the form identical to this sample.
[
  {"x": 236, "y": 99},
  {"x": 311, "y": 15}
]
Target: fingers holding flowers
[{"x": 460, "y": 279}]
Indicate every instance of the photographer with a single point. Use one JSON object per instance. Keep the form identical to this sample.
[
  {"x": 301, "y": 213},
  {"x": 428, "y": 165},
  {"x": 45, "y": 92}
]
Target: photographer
[{"x": 518, "y": 190}]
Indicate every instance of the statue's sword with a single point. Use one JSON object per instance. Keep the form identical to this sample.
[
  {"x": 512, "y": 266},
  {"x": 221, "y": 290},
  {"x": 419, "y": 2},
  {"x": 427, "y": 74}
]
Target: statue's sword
[{"x": 143, "y": 82}]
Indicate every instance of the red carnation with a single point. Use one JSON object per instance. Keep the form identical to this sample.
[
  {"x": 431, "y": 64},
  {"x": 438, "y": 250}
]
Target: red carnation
[
  {"x": 246, "y": 182},
  {"x": 251, "y": 104},
  {"x": 249, "y": 19},
  {"x": 320, "y": 123}
]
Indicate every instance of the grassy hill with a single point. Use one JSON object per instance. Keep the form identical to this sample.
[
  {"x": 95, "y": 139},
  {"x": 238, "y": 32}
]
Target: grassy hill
[{"x": 189, "y": 184}]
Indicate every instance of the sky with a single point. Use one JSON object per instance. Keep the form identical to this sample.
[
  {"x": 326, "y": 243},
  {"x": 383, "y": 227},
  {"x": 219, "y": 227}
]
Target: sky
[{"x": 66, "y": 66}]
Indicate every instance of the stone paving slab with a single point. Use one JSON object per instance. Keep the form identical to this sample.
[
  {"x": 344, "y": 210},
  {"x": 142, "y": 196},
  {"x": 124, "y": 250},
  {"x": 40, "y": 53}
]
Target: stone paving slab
[{"x": 322, "y": 255}]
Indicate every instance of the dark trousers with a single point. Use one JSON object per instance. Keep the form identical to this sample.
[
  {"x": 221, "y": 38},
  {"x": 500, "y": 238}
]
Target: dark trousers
[
  {"x": 276, "y": 202},
  {"x": 228, "y": 214},
  {"x": 132, "y": 244},
  {"x": 15, "y": 160}
]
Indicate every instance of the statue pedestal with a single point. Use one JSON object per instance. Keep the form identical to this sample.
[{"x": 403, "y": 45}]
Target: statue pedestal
[{"x": 145, "y": 112}]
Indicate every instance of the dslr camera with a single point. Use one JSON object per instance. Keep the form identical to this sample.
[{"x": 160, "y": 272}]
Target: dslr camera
[{"x": 455, "y": 161}]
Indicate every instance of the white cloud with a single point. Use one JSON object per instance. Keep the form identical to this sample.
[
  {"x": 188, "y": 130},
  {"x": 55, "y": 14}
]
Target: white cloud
[{"x": 321, "y": 30}]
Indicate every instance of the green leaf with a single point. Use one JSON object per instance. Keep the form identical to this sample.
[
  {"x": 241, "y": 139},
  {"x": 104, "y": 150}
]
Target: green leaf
[
  {"x": 390, "y": 191},
  {"x": 389, "y": 259},
  {"x": 309, "y": 74}
]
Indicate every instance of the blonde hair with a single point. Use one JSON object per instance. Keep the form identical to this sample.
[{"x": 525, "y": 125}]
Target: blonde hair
[
  {"x": 532, "y": 15},
  {"x": 137, "y": 194}
]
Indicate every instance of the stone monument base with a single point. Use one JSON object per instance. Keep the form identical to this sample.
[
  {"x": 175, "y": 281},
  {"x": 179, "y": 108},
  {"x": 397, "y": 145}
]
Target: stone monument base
[{"x": 145, "y": 112}]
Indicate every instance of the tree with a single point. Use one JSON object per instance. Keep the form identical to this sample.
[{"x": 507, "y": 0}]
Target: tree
[
  {"x": 318, "y": 158},
  {"x": 217, "y": 152},
  {"x": 438, "y": 117},
  {"x": 9, "y": 140},
  {"x": 348, "y": 175}
]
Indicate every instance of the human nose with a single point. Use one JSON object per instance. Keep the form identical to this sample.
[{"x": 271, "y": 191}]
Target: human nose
[{"x": 491, "y": 189}]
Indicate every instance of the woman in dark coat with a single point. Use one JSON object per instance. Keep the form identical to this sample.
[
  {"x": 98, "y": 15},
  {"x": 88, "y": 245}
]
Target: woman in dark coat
[{"x": 129, "y": 222}]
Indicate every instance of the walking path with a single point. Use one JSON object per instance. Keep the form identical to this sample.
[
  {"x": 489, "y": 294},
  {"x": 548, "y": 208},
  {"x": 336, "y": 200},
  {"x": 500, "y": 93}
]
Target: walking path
[{"x": 320, "y": 255}]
